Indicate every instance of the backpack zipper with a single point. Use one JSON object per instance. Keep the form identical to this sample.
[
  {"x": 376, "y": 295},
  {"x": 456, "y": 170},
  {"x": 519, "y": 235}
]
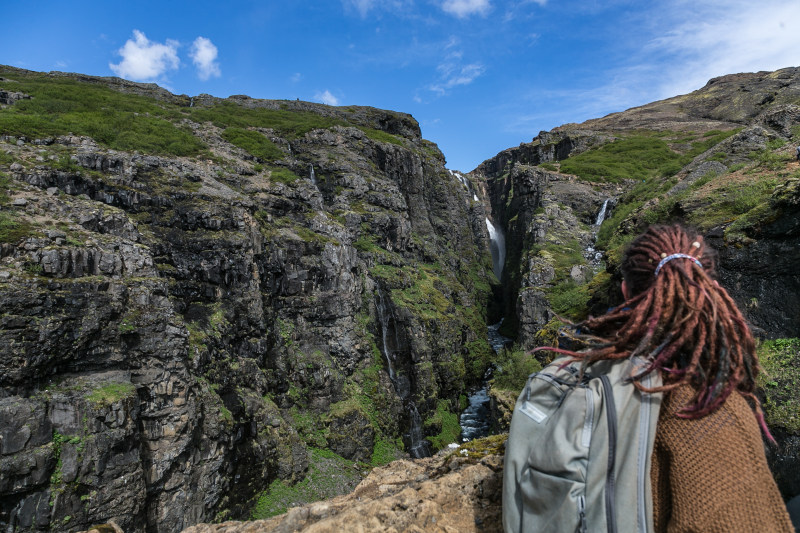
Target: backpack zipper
[
  {"x": 582, "y": 528},
  {"x": 611, "y": 412}
]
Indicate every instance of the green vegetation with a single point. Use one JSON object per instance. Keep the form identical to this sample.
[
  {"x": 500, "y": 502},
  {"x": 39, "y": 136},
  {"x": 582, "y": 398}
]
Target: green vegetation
[
  {"x": 513, "y": 368},
  {"x": 446, "y": 422},
  {"x": 640, "y": 156},
  {"x": 730, "y": 201},
  {"x": 382, "y": 136},
  {"x": 253, "y": 142},
  {"x": 121, "y": 121},
  {"x": 780, "y": 381},
  {"x": 328, "y": 475},
  {"x": 292, "y": 124},
  {"x": 770, "y": 160},
  {"x": 569, "y": 299},
  {"x": 13, "y": 228},
  {"x": 282, "y": 175},
  {"x": 110, "y": 393}
]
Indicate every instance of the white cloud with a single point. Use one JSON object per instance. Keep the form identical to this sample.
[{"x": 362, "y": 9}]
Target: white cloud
[
  {"x": 204, "y": 57},
  {"x": 453, "y": 72},
  {"x": 718, "y": 37},
  {"x": 296, "y": 77},
  {"x": 326, "y": 98},
  {"x": 679, "y": 46},
  {"x": 145, "y": 60},
  {"x": 365, "y": 6},
  {"x": 465, "y": 8}
]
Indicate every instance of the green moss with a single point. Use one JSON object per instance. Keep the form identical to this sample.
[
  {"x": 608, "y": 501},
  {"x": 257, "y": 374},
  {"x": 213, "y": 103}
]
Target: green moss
[
  {"x": 569, "y": 299},
  {"x": 385, "y": 451},
  {"x": 328, "y": 475},
  {"x": 446, "y": 422},
  {"x": 477, "y": 449},
  {"x": 111, "y": 393},
  {"x": 513, "y": 368},
  {"x": 780, "y": 382}
]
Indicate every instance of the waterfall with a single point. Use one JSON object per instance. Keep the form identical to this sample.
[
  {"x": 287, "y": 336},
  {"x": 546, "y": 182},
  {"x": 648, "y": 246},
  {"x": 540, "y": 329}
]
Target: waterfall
[
  {"x": 419, "y": 446},
  {"x": 191, "y": 101},
  {"x": 590, "y": 253},
  {"x": 601, "y": 216},
  {"x": 313, "y": 176},
  {"x": 384, "y": 316},
  {"x": 497, "y": 245}
]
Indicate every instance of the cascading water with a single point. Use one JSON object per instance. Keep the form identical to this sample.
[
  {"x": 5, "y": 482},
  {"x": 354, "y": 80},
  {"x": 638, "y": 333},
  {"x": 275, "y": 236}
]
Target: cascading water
[
  {"x": 384, "y": 315},
  {"x": 312, "y": 176},
  {"x": 474, "y": 420},
  {"x": 419, "y": 446},
  {"x": 497, "y": 245},
  {"x": 591, "y": 254},
  {"x": 601, "y": 216}
]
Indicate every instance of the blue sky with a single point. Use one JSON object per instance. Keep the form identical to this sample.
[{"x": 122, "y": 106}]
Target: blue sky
[{"x": 479, "y": 75}]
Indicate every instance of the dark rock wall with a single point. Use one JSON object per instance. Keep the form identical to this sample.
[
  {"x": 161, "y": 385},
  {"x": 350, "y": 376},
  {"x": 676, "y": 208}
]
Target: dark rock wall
[{"x": 177, "y": 332}]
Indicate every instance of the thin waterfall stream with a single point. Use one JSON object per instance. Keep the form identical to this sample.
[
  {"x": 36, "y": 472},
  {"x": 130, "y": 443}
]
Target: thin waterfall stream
[
  {"x": 591, "y": 253},
  {"x": 418, "y": 445},
  {"x": 497, "y": 246}
]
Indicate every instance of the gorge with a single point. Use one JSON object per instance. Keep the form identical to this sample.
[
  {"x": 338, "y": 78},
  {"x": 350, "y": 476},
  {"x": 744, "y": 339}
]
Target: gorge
[{"x": 216, "y": 309}]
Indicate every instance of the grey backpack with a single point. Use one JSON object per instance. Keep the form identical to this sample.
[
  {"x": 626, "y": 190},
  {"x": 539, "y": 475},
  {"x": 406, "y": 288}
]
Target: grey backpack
[{"x": 578, "y": 451}]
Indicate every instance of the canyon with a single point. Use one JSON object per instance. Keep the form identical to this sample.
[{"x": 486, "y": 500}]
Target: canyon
[{"x": 219, "y": 309}]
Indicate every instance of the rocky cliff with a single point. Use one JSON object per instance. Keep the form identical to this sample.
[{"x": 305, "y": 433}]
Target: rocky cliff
[
  {"x": 218, "y": 309},
  {"x": 199, "y": 293}
]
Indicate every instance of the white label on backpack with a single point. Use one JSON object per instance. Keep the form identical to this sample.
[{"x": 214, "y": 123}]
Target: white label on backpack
[{"x": 533, "y": 412}]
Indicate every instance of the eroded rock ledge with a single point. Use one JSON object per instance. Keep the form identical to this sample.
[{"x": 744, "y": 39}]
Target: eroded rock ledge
[{"x": 456, "y": 491}]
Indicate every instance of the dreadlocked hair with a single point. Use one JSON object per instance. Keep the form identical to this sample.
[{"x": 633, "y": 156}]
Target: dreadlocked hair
[{"x": 678, "y": 319}]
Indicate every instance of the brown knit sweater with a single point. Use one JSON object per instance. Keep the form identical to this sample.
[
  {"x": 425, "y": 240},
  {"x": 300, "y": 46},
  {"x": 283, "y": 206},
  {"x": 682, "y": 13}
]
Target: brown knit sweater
[{"x": 710, "y": 474}]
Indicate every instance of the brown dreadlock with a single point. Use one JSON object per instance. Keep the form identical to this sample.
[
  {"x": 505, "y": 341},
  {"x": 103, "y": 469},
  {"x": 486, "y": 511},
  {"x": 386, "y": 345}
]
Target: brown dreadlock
[{"x": 679, "y": 319}]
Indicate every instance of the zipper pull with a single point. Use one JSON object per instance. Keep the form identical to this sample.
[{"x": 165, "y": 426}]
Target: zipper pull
[{"x": 582, "y": 514}]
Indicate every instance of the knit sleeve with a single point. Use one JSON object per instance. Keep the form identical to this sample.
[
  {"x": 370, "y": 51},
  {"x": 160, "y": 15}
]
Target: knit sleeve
[{"x": 711, "y": 474}]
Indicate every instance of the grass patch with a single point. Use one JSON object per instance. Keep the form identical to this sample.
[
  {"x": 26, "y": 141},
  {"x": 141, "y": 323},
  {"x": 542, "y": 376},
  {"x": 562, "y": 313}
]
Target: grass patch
[
  {"x": 292, "y": 124},
  {"x": 447, "y": 421},
  {"x": 382, "y": 136},
  {"x": 282, "y": 175},
  {"x": 111, "y": 393},
  {"x": 780, "y": 382},
  {"x": 640, "y": 156},
  {"x": 328, "y": 475},
  {"x": 117, "y": 120},
  {"x": 253, "y": 142},
  {"x": 12, "y": 228}
]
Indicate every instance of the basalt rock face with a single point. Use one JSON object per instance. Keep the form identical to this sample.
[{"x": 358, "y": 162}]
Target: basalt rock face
[
  {"x": 177, "y": 331},
  {"x": 544, "y": 215}
]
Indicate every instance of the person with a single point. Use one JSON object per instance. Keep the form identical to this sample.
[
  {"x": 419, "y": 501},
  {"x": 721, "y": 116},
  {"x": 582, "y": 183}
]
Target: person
[
  {"x": 708, "y": 466},
  {"x": 797, "y": 153}
]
